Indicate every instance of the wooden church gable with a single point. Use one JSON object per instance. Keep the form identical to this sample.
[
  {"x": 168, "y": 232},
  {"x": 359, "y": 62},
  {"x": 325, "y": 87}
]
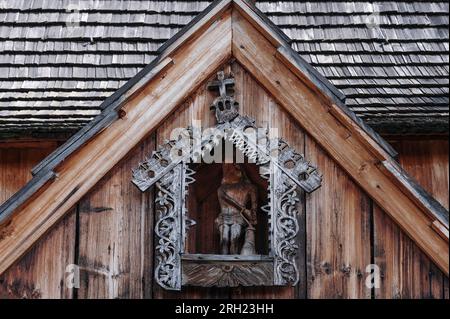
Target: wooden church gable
[{"x": 228, "y": 30}]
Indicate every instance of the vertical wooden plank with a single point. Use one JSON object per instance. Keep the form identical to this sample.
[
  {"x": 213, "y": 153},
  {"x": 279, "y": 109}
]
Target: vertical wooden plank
[
  {"x": 114, "y": 240},
  {"x": 181, "y": 118},
  {"x": 16, "y": 162},
  {"x": 254, "y": 102},
  {"x": 41, "y": 272},
  {"x": 258, "y": 104},
  {"x": 446, "y": 288},
  {"x": 406, "y": 271},
  {"x": 147, "y": 236},
  {"x": 197, "y": 109},
  {"x": 202, "y": 196},
  {"x": 290, "y": 131},
  {"x": 338, "y": 232}
]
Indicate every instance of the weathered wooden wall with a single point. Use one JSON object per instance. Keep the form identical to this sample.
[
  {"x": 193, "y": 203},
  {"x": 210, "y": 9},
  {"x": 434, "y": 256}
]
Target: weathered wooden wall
[
  {"x": 109, "y": 233},
  {"x": 407, "y": 272},
  {"x": 39, "y": 274}
]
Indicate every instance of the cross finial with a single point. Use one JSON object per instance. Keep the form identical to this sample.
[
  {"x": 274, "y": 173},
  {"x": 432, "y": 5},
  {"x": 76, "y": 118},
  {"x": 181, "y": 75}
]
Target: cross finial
[
  {"x": 225, "y": 107},
  {"x": 221, "y": 84}
]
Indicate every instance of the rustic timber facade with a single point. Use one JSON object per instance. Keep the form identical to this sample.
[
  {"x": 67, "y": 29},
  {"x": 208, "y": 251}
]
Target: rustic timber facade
[{"x": 80, "y": 210}]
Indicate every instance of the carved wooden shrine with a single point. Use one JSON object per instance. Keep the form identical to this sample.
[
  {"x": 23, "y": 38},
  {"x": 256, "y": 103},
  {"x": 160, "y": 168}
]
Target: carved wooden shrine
[{"x": 284, "y": 169}]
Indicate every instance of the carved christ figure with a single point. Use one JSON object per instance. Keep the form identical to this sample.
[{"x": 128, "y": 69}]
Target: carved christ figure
[{"x": 238, "y": 205}]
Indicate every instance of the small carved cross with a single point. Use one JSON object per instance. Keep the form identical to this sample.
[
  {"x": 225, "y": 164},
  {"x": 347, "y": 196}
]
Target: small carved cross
[{"x": 221, "y": 84}]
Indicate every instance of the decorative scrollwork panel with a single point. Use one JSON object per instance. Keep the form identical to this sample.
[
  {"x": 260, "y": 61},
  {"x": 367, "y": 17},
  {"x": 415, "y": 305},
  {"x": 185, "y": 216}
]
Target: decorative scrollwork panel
[
  {"x": 285, "y": 228},
  {"x": 169, "y": 203},
  {"x": 286, "y": 171}
]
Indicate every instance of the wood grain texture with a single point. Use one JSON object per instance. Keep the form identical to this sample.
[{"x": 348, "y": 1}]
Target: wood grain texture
[
  {"x": 338, "y": 232},
  {"x": 406, "y": 271},
  {"x": 289, "y": 129},
  {"x": 204, "y": 208},
  {"x": 256, "y": 103},
  {"x": 338, "y": 241},
  {"x": 259, "y": 104},
  {"x": 41, "y": 272},
  {"x": 338, "y": 224},
  {"x": 195, "y": 111},
  {"x": 427, "y": 162},
  {"x": 348, "y": 282},
  {"x": 16, "y": 161},
  {"x": 345, "y": 143},
  {"x": 446, "y": 288},
  {"x": 114, "y": 231},
  {"x": 81, "y": 171},
  {"x": 115, "y": 234}
]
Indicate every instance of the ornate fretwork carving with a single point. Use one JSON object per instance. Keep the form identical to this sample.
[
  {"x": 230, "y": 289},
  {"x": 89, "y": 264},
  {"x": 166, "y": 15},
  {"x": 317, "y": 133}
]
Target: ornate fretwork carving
[
  {"x": 168, "y": 155},
  {"x": 284, "y": 212},
  {"x": 297, "y": 168},
  {"x": 167, "y": 229},
  {"x": 284, "y": 168},
  {"x": 261, "y": 149}
]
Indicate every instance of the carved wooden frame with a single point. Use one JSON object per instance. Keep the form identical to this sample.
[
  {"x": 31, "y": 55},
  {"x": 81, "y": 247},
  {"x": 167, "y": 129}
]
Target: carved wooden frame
[{"x": 283, "y": 167}]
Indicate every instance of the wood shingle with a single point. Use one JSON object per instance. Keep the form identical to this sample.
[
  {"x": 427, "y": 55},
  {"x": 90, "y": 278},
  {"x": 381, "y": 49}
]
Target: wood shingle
[{"x": 390, "y": 58}]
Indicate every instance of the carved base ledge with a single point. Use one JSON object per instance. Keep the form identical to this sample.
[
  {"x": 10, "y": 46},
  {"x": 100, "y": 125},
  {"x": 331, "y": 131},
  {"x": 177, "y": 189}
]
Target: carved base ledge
[
  {"x": 227, "y": 270},
  {"x": 214, "y": 258}
]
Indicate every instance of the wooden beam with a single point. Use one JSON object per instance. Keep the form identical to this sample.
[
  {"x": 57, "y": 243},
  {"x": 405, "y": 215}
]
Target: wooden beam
[
  {"x": 329, "y": 95},
  {"x": 200, "y": 57},
  {"x": 359, "y": 159},
  {"x": 105, "y": 119},
  {"x": 244, "y": 9},
  {"x": 404, "y": 182},
  {"x": 440, "y": 229},
  {"x": 135, "y": 85},
  {"x": 201, "y": 21},
  {"x": 316, "y": 81}
]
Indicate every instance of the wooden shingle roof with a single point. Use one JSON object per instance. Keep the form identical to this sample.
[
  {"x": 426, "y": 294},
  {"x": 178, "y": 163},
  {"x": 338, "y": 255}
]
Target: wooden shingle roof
[{"x": 60, "y": 59}]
